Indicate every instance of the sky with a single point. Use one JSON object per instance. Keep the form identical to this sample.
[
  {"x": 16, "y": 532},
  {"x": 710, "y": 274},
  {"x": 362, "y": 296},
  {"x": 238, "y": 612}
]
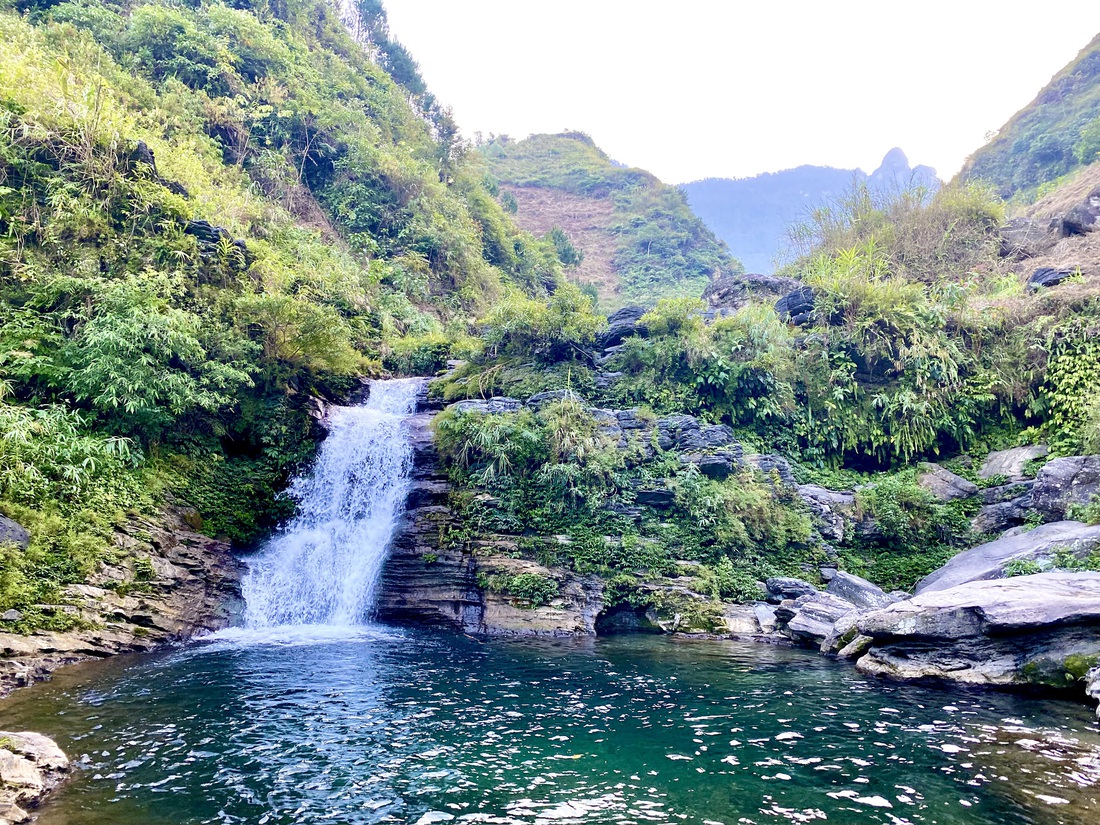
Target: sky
[{"x": 690, "y": 89}]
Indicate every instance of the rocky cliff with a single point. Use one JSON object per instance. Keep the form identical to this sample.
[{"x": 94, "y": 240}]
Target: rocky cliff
[{"x": 169, "y": 583}]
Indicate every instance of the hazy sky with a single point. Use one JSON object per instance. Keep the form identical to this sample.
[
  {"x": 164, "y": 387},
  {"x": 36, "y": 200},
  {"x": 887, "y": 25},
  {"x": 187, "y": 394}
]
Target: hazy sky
[{"x": 700, "y": 88}]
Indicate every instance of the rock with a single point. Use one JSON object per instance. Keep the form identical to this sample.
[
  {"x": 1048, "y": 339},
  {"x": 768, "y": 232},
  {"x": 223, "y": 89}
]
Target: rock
[
  {"x": 993, "y": 518},
  {"x": 717, "y": 466},
  {"x": 541, "y": 399},
  {"x": 1042, "y": 629},
  {"x": 716, "y": 435},
  {"x": 943, "y": 484},
  {"x": 1092, "y": 686},
  {"x": 987, "y": 561},
  {"x": 828, "y": 509},
  {"x": 12, "y": 615},
  {"x": 12, "y": 532},
  {"x": 1084, "y": 217},
  {"x": 740, "y": 620},
  {"x": 842, "y": 632},
  {"x": 657, "y": 497},
  {"x": 630, "y": 420},
  {"x": 809, "y": 619},
  {"x": 855, "y": 648},
  {"x": 1045, "y": 276},
  {"x": 604, "y": 380},
  {"x": 781, "y": 588},
  {"x": 680, "y": 432},
  {"x": 796, "y": 307},
  {"x": 494, "y": 406},
  {"x": 31, "y": 766},
  {"x": 1011, "y": 463},
  {"x": 195, "y": 590},
  {"x": 860, "y": 592},
  {"x": 732, "y": 292},
  {"x": 827, "y": 573},
  {"x": 765, "y": 617},
  {"x": 1006, "y": 492},
  {"x": 1064, "y": 482},
  {"x": 1026, "y": 238},
  {"x": 622, "y": 324},
  {"x": 774, "y": 465}
]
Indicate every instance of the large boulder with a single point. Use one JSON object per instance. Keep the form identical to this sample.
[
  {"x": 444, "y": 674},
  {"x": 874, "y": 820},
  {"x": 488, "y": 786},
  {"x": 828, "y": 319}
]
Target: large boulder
[
  {"x": 1084, "y": 217},
  {"x": 12, "y": 532},
  {"x": 1026, "y": 238},
  {"x": 31, "y": 766},
  {"x": 988, "y": 561},
  {"x": 1064, "y": 482},
  {"x": 731, "y": 292},
  {"x": 858, "y": 591},
  {"x": 796, "y": 307},
  {"x": 944, "y": 485},
  {"x": 828, "y": 509},
  {"x": 781, "y": 588},
  {"x": 1011, "y": 463},
  {"x": 809, "y": 620},
  {"x": 1001, "y": 515},
  {"x": 622, "y": 324},
  {"x": 1042, "y": 629}
]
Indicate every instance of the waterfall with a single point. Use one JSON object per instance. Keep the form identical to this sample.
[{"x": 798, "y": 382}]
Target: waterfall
[{"x": 323, "y": 567}]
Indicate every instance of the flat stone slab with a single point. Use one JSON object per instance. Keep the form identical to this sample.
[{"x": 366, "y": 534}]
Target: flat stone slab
[{"x": 987, "y": 561}]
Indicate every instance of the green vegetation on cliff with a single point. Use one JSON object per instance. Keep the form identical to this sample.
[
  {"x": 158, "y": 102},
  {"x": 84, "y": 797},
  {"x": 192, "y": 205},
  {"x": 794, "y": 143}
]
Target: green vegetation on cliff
[
  {"x": 659, "y": 247},
  {"x": 922, "y": 344},
  {"x": 208, "y": 214},
  {"x": 1055, "y": 134}
]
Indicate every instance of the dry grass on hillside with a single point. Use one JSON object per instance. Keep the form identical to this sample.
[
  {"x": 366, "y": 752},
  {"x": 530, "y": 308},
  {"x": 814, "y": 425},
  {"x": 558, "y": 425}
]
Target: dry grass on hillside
[{"x": 587, "y": 222}]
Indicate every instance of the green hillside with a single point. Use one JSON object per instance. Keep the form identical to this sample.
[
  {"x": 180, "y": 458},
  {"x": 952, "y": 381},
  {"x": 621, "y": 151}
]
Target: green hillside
[
  {"x": 1055, "y": 134},
  {"x": 208, "y": 215},
  {"x": 657, "y": 247}
]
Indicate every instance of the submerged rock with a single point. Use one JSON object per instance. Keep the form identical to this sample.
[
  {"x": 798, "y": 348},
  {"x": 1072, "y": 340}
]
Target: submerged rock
[{"x": 1042, "y": 629}]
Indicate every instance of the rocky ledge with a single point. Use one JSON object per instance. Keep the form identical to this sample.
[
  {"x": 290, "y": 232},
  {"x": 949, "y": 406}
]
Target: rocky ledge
[
  {"x": 31, "y": 766},
  {"x": 1038, "y": 630},
  {"x": 170, "y": 583}
]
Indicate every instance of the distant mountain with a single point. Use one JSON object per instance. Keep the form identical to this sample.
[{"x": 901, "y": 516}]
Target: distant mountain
[
  {"x": 637, "y": 239},
  {"x": 1057, "y": 133},
  {"x": 752, "y": 214}
]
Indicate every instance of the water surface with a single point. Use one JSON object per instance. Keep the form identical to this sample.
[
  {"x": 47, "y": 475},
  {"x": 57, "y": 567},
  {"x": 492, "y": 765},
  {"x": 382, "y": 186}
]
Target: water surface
[{"x": 381, "y": 725}]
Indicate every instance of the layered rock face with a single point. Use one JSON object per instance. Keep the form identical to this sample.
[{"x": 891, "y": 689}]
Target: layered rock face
[
  {"x": 431, "y": 577},
  {"x": 31, "y": 766},
  {"x": 1042, "y": 629},
  {"x": 193, "y": 587}
]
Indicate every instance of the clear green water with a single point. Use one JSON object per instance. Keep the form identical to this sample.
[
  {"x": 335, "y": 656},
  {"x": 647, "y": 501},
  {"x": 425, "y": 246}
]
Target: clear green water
[{"x": 407, "y": 726}]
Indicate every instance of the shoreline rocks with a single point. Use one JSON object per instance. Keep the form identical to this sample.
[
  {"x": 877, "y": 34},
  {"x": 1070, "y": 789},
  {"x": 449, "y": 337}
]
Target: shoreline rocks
[
  {"x": 1040, "y": 630},
  {"x": 190, "y": 584},
  {"x": 31, "y": 767}
]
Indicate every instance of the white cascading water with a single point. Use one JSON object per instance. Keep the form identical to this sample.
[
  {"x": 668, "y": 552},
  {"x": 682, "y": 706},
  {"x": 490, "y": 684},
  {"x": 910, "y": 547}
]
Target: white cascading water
[{"x": 323, "y": 568}]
